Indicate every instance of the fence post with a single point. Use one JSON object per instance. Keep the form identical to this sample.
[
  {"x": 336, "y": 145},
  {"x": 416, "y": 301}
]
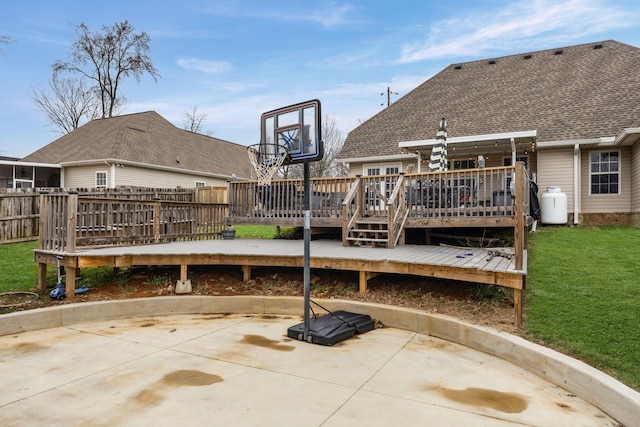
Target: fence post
[
  {"x": 72, "y": 214},
  {"x": 42, "y": 224},
  {"x": 156, "y": 222}
]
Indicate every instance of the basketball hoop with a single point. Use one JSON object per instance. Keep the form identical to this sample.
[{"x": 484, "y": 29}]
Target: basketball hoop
[{"x": 266, "y": 159}]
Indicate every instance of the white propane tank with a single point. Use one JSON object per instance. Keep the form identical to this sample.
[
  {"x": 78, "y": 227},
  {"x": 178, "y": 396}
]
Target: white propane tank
[{"x": 553, "y": 207}]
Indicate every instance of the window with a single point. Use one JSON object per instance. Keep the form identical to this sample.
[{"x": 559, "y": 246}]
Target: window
[
  {"x": 605, "y": 172},
  {"x": 101, "y": 180},
  {"x": 465, "y": 164},
  {"x": 200, "y": 184}
]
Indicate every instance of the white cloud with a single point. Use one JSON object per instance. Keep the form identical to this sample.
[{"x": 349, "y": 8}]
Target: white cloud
[
  {"x": 205, "y": 65},
  {"x": 329, "y": 15},
  {"x": 539, "y": 21}
]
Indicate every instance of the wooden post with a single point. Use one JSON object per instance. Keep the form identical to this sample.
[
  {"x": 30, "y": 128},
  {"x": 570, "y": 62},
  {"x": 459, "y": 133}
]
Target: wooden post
[
  {"x": 363, "y": 282},
  {"x": 156, "y": 222},
  {"x": 246, "y": 273},
  {"x": 42, "y": 277},
  {"x": 520, "y": 222},
  {"x": 42, "y": 224},
  {"x": 70, "y": 282},
  {"x": 517, "y": 306},
  {"x": 183, "y": 273},
  {"x": 72, "y": 213}
]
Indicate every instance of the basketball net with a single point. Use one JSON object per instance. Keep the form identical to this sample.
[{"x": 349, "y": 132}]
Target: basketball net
[{"x": 266, "y": 160}]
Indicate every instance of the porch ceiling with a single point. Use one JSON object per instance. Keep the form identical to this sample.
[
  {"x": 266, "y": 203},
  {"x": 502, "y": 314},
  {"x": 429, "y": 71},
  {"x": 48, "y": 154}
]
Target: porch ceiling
[{"x": 474, "y": 145}]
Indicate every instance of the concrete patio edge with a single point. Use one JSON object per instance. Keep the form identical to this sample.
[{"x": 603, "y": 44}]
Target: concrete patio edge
[{"x": 616, "y": 399}]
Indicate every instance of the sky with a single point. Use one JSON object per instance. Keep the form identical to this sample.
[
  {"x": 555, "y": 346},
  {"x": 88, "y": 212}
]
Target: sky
[{"x": 233, "y": 60}]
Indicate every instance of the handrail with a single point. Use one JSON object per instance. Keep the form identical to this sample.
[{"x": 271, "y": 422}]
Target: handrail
[
  {"x": 349, "y": 217},
  {"x": 395, "y": 207}
]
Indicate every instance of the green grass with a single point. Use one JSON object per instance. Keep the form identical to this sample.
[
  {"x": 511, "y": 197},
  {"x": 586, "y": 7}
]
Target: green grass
[
  {"x": 255, "y": 231},
  {"x": 18, "y": 272},
  {"x": 258, "y": 231},
  {"x": 583, "y": 296}
]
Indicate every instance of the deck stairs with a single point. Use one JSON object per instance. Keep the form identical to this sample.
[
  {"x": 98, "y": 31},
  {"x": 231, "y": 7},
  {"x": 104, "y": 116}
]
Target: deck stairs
[{"x": 369, "y": 233}]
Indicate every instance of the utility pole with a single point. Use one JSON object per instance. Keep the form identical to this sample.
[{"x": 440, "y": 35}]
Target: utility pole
[{"x": 389, "y": 93}]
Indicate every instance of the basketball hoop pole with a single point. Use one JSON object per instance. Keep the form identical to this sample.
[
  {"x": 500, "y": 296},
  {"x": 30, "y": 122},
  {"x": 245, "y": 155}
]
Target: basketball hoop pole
[{"x": 307, "y": 247}]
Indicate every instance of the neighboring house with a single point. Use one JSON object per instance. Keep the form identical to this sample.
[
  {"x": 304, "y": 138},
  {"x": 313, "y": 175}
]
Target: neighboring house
[
  {"x": 142, "y": 150},
  {"x": 572, "y": 114}
]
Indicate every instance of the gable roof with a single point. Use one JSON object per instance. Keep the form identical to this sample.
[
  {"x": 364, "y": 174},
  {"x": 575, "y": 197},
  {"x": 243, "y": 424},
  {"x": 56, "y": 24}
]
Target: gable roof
[
  {"x": 146, "y": 138},
  {"x": 578, "y": 92}
]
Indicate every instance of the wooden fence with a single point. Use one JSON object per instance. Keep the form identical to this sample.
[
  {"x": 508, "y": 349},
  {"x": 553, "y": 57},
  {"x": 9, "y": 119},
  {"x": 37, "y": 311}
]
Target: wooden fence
[{"x": 20, "y": 207}]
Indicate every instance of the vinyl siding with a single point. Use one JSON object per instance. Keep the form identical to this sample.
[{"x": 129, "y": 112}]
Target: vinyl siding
[
  {"x": 603, "y": 203},
  {"x": 84, "y": 177},
  {"x": 142, "y": 177},
  {"x": 555, "y": 169}
]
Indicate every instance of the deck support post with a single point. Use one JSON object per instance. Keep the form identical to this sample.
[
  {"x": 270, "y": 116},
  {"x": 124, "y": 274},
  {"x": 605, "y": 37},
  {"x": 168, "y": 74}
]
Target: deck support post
[
  {"x": 363, "y": 282},
  {"x": 365, "y": 276},
  {"x": 70, "y": 282},
  {"x": 42, "y": 277},
  {"x": 183, "y": 272},
  {"x": 246, "y": 273},
  {"x": 517, "y": 305}
]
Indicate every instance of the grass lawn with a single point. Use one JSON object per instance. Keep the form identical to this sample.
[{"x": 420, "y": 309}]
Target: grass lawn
[
  {"x": 583, "y": 296},
  {"x": 582, "y": 291}
]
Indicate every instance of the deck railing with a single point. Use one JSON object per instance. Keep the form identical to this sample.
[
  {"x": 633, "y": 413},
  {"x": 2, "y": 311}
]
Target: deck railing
[
  {"x": 460, "y": 193},
  {"x": 68, "y": 221},
  {"x": 284, "y": 198}
]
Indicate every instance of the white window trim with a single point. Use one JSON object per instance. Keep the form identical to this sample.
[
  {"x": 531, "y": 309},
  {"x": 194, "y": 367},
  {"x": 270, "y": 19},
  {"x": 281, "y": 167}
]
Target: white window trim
[
  {"x": 619, "y": 172},
  {"x": 106, "y": 178},
  {"x": 382, "y": 166},
  {"x": 200, "y": 184}
]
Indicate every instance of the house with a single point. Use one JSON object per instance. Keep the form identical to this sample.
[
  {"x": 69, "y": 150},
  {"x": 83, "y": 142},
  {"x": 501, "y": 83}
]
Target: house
[
  {"x": 142, "y": 150},
  {"x": 571, "y": 114}
]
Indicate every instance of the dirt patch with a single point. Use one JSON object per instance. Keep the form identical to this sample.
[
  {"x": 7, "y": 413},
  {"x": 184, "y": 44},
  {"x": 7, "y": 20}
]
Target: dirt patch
[{"x": 475, "y": 303}]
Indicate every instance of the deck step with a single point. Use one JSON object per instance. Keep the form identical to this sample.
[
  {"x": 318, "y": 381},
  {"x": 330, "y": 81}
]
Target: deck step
[
  {"x": 366, "y": 239},
  {"x": 369, "y": 232}
]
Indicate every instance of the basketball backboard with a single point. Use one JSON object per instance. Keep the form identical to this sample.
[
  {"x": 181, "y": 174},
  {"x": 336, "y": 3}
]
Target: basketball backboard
[{"x": 297, "y": 128}]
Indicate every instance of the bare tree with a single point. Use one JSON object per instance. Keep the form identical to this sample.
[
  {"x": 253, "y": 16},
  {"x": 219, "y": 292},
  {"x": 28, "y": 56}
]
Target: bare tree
[
  {"x": 4, "y": 40},
  {"x": 107, "y": 58},
  {"x": 192, "y": 120},
  {"x": 327, "y": 166},
  {"x": 68, "y": 104}
]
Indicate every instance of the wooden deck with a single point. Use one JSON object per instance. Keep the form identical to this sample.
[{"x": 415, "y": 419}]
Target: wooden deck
[
  {"x": 465, "y": 264},
  {"x": 372, "y": 214}
]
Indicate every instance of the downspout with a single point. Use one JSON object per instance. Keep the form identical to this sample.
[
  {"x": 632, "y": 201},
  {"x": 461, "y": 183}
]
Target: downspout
[{"x": 576, "y": 183}]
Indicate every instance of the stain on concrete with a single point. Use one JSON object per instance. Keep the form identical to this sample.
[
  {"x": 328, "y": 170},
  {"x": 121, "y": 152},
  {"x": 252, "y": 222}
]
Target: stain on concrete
[
  {"x": 564, "y": 406},
  {"x": 29, "y": 347},
  {"x": 510, "y": 403},
  {"x": 265, "y": 342},
  {"x": 155, "y": 394},
  {"x": 188, "y": 377}
]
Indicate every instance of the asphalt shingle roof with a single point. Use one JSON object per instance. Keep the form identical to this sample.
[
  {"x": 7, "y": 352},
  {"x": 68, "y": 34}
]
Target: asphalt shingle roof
[
  {"x": 577, "y": 92},
  {"x": 146, "y": 138}
]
